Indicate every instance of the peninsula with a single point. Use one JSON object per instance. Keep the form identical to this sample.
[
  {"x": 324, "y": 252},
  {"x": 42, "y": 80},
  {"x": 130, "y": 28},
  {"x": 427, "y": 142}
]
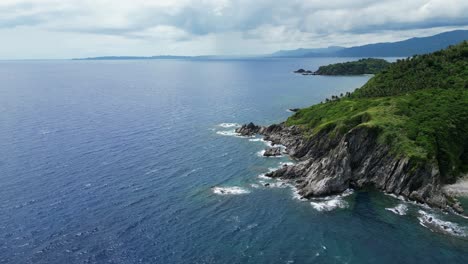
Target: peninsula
[
  {"x": 359, "y": 67},
  {"x": 404, "y": 132}
]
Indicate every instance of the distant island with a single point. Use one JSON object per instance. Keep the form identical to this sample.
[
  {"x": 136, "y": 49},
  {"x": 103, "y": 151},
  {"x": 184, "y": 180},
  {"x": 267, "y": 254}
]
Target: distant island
[
  {"x": 362, "y": 66},
  {"x": 162, "y": 57},
  {"x": 404, "y": 132}
]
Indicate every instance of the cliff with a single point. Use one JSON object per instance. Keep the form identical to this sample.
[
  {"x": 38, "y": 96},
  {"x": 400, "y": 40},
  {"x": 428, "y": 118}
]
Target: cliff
[
  {"x": 329, "y": 165},
  {"x": 392, "y": 134}
]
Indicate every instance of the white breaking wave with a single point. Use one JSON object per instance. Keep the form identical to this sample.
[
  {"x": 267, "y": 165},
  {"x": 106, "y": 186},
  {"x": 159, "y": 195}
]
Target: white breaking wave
[
  {"x": 268, "y": 143},
  {"x": 229, "y": 125},
  {"x": 230, "y": 190},
  {"x": 277, "y": 184},
  {"x": 296, "y": 194},
  {"x": 231, "y": 133},
  {"x": 400, "y": 209},
  {"x": 261, "y": 152},
  {"x": 329, "y": 205},
  {"x": 254, "y": 185},
  {"x": 437, "y": 225}
]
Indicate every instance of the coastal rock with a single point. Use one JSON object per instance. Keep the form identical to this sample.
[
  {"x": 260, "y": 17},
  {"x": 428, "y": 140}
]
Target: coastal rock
[
  {"x": 300, "y": 71},
  {"x": 331, "y": 164},
  {"x": 294, "y": 109},
  {"x": 272, "y": 152},
  {"x": 249, "y": 130}
]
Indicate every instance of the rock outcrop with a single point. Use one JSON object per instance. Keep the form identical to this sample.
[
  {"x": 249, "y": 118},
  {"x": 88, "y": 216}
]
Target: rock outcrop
[
  {"x": 330, "y": 164},
  {"x": 249, "y": 130},
  {"x": 272, "y": 152}
]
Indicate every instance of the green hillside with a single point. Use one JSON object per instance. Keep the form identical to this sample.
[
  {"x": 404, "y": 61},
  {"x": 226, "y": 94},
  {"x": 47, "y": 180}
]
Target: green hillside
[
  {"x": 419, "y": 105},
  {"x": 446, "y": 69}
]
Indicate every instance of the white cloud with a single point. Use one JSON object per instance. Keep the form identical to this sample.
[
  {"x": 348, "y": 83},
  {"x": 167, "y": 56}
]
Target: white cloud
[{"x": 30, "y": 28}]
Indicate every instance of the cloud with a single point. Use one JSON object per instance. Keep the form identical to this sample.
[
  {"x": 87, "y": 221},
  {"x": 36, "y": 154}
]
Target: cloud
[{"x": 243, "y": 25}]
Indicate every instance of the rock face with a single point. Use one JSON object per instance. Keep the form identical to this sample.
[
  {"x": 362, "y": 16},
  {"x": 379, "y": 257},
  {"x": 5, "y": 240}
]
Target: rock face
[
  {"x": 331, "y": 164},
  {"x": 272, "y": 152},
  {"x": 249, "y": 130}
]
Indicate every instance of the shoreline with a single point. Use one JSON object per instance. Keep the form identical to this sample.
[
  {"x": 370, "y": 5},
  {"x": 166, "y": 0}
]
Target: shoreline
[{"x": 324, "y": 166}]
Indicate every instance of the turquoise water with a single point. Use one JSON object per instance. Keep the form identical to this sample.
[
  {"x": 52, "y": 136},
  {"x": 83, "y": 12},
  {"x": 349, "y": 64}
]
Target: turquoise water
[{"x": 120, "y": 162}]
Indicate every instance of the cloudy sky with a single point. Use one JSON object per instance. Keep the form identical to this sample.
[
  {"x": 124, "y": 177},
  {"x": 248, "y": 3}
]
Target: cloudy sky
[{"x": 33, "y": 29}]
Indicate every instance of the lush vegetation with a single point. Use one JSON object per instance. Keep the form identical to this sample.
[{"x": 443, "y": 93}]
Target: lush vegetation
[
  {"x": 447, "y": 69},
  {"x": 362, "y": 66},
  {"x": 419, "y": 115}
]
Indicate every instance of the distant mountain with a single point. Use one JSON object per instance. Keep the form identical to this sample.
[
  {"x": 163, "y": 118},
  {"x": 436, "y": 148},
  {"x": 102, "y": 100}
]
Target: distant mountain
[
  {"x": 408, "y": 47},
  {"x": 304, "y": 52},
  {"x": 403, "y": 48}
]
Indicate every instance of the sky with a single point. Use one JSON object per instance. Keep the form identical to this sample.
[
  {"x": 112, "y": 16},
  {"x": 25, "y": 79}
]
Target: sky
[{"x": 57, "y": 29}]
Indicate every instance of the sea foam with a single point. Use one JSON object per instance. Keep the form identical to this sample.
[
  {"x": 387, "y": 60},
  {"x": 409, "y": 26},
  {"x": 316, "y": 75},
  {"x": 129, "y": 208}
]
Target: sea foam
[
  {"x": 330, "y": 203},
  {"x": 400, "y": 209},
  {"x": 435, "y": 224},
  {"x": 229, "y": 125},
  {"x": 234, "y": 190}
]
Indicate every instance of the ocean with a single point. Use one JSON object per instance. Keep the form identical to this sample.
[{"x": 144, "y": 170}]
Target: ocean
[{"x": 137, "y": 162}]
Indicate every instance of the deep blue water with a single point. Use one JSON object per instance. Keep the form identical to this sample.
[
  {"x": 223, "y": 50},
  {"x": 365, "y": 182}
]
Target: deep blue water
[{"x": 114, "y": 162}]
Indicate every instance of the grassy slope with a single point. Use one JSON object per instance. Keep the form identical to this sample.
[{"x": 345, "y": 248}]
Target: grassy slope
[
  {"x": 362, "y": 66},
  {"x": 421, "y": 116}
]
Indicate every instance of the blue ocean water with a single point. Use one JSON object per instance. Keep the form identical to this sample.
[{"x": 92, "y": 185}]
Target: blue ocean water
[{"x": 122, "y": 161}]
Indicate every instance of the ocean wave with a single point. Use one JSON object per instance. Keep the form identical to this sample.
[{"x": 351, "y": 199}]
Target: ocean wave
[
  {"x": 329, "y": 205},
  {"x": 263, "y": 176},
  {"x": 346, "y": 193},
  {"x": 277, "y": 184},
  {"x": 266, "y": 142},
  {"x": 260, "y": 153},
  {"x": 435, "y": 224},
  {"x": 296, "y": 195},
  {"x": 234, "y": 190},
  {"x": 231, "y": 133},
  {"x": 229, "y": 125},
  {"x": 400, "y": 209}
]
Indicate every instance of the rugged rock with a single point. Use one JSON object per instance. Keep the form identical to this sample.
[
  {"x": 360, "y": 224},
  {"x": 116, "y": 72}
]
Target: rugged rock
[
  {"x": 330, "y": 164},
  {"x": 272, "y": 152},
  {"x": 248, "y": 130},
  {"x": 294, "y": 109}
]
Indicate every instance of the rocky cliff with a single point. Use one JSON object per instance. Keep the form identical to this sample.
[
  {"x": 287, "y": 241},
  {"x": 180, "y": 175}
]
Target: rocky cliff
[{"x": 330, "y": 164}]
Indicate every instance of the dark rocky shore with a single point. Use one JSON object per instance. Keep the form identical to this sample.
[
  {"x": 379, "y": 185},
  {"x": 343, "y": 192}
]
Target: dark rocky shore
[{"x": 331, "y": 164}]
